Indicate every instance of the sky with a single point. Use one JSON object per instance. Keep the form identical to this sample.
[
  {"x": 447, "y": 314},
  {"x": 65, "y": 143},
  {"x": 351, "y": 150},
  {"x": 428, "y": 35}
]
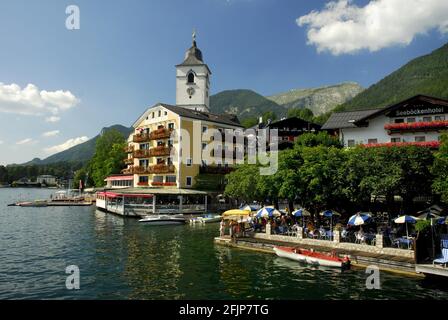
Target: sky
[{"x": 60, "y": 86}]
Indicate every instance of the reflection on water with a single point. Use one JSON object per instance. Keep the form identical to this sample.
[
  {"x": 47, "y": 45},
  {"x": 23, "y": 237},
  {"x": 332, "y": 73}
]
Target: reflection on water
[{"x": 122, "y": 259}]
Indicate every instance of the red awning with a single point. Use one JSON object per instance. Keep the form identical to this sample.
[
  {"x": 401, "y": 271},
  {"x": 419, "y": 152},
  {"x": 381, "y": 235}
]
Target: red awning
[{"x": 126, "y": 195}]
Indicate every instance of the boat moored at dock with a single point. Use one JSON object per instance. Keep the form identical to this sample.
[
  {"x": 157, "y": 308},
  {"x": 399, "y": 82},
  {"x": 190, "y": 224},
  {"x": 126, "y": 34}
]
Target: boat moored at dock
[
  {"x": 208, "y": 218},
  {"x": 163, "y": 220},
  {"x": 312, "y": 257}
]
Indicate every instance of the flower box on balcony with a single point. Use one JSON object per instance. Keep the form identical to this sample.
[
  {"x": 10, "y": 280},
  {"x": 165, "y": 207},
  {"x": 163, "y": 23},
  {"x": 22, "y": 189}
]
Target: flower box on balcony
[
  {"x": 129, "y": 149},
  {"x": 160, "y": 151},
  {"x": 142, "y": 137},
  {"x": 161, "y": 134},
  {"x": 170, "y": 184},
  {"x": 156, "y": 184},
  {"x": 161, "y": 168},
  {"x": 142, "y": 184},
  {"x": 409, "y": 126},
  {"x": 129, "y": 161},
  {"x": 427, "y": 144},
  {"x": 142, "y": 153}
]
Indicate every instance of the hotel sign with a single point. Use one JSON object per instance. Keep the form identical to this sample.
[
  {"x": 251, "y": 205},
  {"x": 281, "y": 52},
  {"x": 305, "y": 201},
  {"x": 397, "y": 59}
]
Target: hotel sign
[{"x": 417, "y": 110}]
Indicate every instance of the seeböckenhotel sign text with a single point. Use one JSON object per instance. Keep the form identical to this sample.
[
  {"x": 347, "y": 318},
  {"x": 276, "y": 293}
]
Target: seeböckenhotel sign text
[{"x": 419, "y": 111}]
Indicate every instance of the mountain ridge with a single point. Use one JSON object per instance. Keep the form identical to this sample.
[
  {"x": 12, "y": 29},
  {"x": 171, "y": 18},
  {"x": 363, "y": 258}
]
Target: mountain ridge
[
  {"x": 81, "y": 152},
  {"x": 318, "y": 99},
  {"x": 426, "y": 75}
]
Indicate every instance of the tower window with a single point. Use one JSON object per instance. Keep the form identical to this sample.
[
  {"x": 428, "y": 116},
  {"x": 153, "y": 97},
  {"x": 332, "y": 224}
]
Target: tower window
[{"x": 191, "y": 77}]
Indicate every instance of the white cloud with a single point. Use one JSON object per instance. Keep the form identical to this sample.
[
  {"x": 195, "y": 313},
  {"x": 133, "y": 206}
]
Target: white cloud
[
  {"x": 50, "y": 133},
  {"x": 25, "y": 141},
  {"x": 1, "y": 142},
  {"x": 31, "y": 101},
  {"x": 52, "y": 119},
  {"x": 66, "y": 145},
  {"x": 342, "y": 27}
]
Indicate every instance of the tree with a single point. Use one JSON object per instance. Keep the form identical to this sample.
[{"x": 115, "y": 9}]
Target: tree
[
  {"x": 302, "y": 113},
  {"x": 108, "y": 157},
  {"x": 320, "y": 177},
  {"x": 249, "y": 122},
  {"x": 4, "y": 178},
  {"x": 440, "y": 170},
  {"x": 269, "y": 115},
  {"x": 242, "y": 183},
  {"x": 321, "y": 138}
]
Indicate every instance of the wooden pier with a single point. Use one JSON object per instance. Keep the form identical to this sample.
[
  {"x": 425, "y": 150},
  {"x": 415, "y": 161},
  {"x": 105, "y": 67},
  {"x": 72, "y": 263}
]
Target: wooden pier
[{"x": 432, "y": 269}]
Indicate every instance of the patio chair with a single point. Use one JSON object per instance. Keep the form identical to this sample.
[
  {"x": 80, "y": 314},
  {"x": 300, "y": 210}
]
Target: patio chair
[
  {"x": 360, "y": 238},
  {"x": 394, "y": 241},
  {"x": 443, "y": 259},
  {"x": 323, "y": 234}
]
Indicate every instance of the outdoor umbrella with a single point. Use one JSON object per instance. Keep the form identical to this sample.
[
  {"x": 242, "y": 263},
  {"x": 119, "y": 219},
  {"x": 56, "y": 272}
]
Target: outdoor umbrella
[
  {"x": 301, "y": 213},
  {"x": 428, "y": 214},
  {"x": 235, "y": 214},
  {"x": 268, "y": 212},
  {"x": 443, "y": 220},
  {"x": 359, "y": 219},
  {"x": 330, "y": 214},
  {"x": 248, "y": 207},
  {"x": 406, "y": 219}
]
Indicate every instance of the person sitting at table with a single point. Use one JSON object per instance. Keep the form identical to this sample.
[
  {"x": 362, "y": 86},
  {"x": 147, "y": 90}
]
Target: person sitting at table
[
  {"x": 322, "y": 232},
  {"x": 344, "y": 233}
]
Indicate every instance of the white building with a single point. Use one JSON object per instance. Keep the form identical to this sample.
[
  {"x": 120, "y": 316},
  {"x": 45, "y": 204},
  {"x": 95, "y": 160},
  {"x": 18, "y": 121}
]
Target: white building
[
  {"x": 419, "y": 120},
  {"x": 46, "y": 180}
]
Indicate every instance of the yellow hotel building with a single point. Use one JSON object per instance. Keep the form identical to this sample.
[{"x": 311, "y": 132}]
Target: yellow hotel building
[{"x": 165, "y": 149}]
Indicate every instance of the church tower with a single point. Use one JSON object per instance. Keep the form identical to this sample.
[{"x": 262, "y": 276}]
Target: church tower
[{"x": 193, "y": 81}]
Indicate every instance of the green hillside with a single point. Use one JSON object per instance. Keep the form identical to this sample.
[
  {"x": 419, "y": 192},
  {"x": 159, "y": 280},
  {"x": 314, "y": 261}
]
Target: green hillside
[
  {"x": 80, "y": 153},
  {"x": 426, "y": 75},
  {"x": 243, "y": 103},
  {"x": 319, "y": 100}
]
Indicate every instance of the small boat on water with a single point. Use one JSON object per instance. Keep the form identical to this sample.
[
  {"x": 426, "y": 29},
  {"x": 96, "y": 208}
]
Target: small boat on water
[
  {"x": 207, "y": 218},
  {"x": 33, "y": 204},
  {"x": 162, "y": 220},
  {"x": 312, "y": 257},
  {"x": 210, "y": 218}
]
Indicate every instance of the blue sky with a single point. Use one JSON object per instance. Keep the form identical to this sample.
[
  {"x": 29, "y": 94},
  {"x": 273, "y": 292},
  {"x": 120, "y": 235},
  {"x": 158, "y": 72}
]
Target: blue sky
[{"x": 122, "y": 58}]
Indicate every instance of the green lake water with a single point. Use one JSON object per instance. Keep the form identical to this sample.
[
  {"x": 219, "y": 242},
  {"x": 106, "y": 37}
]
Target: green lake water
[{"x": 119, "y": 258}]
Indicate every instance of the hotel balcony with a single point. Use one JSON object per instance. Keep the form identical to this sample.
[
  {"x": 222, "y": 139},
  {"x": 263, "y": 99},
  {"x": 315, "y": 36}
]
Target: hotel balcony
[
  {"x": 162, "y": 133},
  {"x": 129, "y": 170},
  {"x": 159, "y": 151},
  {"x": 142, "y": 153},
  {"x": 129, "y": 161},
  {"x": 129, "y": 149},
  {"x": 215, "y": 169},
  {"x": 156, "y": 169},
  {"x": 417, "y": 126}
]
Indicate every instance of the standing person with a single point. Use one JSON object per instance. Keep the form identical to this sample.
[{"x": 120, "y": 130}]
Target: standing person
[
  {"x": 221, "y": 228},
  {"x": 231, "y": 229}
]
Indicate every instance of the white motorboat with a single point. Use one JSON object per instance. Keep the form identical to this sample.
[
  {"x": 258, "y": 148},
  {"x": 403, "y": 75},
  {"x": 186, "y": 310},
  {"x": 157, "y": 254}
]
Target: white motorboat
[
  {"x": 162, "y": 220},
  {"x": 210, "y": 218},
  {"x": 312, "y": 257}
]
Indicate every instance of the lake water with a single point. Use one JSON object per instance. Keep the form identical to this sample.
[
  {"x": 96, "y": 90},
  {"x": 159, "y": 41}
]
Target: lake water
[{"x": 119, "y": 258}]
